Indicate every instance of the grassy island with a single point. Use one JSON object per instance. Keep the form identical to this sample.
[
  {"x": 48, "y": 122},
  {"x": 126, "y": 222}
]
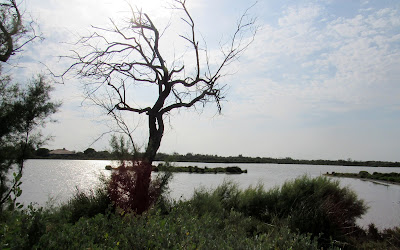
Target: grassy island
[
  {"x": 192, "y": 169},
  {"x": 199, "y": 170},
  {"x": 386, "y": 177}
]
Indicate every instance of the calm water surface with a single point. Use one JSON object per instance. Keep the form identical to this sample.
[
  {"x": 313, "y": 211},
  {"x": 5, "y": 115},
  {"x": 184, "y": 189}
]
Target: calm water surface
[{"x": 57, "y": 180}]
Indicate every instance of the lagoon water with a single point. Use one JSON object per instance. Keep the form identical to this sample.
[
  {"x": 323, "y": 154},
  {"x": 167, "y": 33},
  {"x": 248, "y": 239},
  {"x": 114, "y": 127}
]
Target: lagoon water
[{"x": 58, "y": 180}]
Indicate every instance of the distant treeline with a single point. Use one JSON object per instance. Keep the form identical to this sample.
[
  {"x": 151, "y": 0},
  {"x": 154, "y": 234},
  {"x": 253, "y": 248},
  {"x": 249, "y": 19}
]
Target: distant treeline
[
  {"x": 244, "y": 159},
  {"x": 91, "y": 154},
  {"x": 88, "y": 154}
]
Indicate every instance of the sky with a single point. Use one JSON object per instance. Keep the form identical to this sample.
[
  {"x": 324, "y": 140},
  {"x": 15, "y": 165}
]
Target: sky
[{"x": 320, "y": 81}]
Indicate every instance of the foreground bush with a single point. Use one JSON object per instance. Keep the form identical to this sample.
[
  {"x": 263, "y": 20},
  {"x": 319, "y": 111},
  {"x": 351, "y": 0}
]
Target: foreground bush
[
  {"x": 317, "y": 206},
  {"x": 86, "y": 204},
  {"x": 22, "y": 229},
  {"x": 177, "y": 230}
]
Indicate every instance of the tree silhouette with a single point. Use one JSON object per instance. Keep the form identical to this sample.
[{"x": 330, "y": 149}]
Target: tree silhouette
[
  {"x": 12, "y": 29},
  {"x": 89, "y": 151},
  {"x": 120, "y": 57}
]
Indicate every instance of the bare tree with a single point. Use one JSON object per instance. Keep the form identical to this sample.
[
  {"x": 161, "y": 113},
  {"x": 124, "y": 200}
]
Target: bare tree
[
  {"x": 12, "y": 29},
  {"x": 117, "y": 58}
]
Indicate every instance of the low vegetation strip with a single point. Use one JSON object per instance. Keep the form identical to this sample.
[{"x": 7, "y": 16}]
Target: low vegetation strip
[
  {"x": 189, "y": 157},
  {"x": 192, "y": 169},
  {"x": 199, "y": 170},
  {"x": 386, "y": 177}
]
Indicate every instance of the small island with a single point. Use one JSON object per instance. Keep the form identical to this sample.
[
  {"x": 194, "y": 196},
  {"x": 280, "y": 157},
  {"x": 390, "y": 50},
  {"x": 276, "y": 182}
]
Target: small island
[
  {"x": 193, "y": 169},
  {"x": 393, "y": 178},
  {"x": 199, "y": 170}
]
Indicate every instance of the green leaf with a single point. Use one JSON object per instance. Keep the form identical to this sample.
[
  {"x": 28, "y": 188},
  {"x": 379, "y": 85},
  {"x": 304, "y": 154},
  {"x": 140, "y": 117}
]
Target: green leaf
[
  {"x": 19, "y": 205},
  {"x": 18, "y": 177}
]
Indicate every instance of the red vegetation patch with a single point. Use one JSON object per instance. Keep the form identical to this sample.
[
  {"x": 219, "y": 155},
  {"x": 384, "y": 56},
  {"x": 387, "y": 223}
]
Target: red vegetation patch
[{"x": 131, "y": 188}]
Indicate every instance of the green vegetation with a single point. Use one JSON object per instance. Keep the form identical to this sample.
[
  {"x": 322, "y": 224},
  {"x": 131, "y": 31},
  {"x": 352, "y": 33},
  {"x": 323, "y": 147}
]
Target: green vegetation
[
  {"x": 302, "y": 214},
  {"x": 24, "y": 108},
  {"x": 388, "y": 177},
  {"x": 198, "y": 170}
]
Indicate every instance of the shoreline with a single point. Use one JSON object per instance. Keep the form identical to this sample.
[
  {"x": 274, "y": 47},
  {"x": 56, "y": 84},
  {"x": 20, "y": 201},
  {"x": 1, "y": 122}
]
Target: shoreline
[
  {"x": 367, "y": 178},
  {"x": 305, "y": 162}
]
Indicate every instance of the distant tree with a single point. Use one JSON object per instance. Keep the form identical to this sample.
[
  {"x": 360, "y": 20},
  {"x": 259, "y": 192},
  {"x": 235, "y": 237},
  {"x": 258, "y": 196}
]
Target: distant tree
[
  {"x": 42, "y": 152},
  {"x": 22, "y": 112},
  {"x": 122, "y": 149},
  {"x": 119, "y": 58},
  {"x": 104, "y": 154},
  {"x": 89, "y": 151}
]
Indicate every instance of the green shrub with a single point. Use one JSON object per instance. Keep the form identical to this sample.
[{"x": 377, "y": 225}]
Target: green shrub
[
  {"x": 318, "y": 206},
  {"x": 178, "y": 230},
  {"x": 86, "y": 204},
  {"x": 219, "y": 201},
  {"x": 256, "y": 202},
  {"x": 372, "y": 238},
  {"x": 204, "y": 202},
  {"x": 228, "y": 194},
  {"x": 364, "y": 174},
  {"x": 21, "y": 229}
]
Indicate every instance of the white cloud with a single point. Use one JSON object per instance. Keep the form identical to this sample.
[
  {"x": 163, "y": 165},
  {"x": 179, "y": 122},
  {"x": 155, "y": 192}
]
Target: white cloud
[
  {"x": 300, "y": 19},
  {"x": 346, "y": 60}
]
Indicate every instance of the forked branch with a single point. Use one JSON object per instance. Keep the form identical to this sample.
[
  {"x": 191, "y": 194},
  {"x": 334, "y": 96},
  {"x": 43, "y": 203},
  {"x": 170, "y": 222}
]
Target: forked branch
[
  {"x": 12, "y": 30},
  {"x": 123, "y": 58}
]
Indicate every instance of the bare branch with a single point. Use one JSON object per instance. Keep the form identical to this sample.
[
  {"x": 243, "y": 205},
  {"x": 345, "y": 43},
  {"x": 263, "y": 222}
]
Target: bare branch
[
  {"x": 12, "y": 30},
  {"x": 130, "y": 55}
]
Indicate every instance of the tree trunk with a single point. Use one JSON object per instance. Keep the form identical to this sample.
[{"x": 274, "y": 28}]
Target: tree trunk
[{"x": 156, "y": 131}]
